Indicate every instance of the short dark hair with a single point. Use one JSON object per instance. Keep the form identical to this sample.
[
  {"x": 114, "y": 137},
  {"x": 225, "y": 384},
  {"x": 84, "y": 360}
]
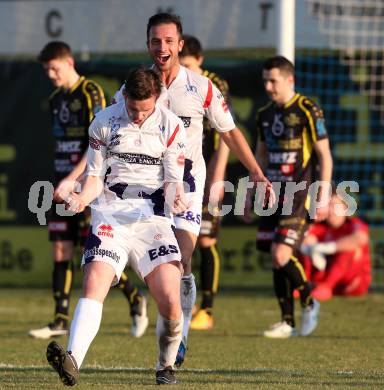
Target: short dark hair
[
  {"x": 283, "y": 64},
  {"x": 192, "y": 47},
  {"x": 142, "y": 83},
  {"x": 164, "y": 18},
  {"x": 54, "y": 50}
]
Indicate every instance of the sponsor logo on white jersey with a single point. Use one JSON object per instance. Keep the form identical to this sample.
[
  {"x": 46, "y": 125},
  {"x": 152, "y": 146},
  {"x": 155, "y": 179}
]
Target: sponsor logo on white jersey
[
  {"x": 105, "y": 230},
  {"x": 191, "y": 88}
]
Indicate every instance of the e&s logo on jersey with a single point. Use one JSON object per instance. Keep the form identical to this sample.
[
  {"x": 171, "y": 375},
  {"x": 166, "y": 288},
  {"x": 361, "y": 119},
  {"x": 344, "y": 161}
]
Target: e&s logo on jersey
[{"x": 162, "y": 250}]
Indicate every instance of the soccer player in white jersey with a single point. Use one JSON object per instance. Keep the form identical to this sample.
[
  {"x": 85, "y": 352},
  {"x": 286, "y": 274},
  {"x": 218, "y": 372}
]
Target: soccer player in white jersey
[
  {"x": 135, "y": 161},
  {"x": 192, "y": 97}
]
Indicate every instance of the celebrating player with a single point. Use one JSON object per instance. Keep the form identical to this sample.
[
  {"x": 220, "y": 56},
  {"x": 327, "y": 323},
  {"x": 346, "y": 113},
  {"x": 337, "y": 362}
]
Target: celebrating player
[
  {"x": 136, "y": 154},
  {"x": 192, "y": 97},
  {"x": 215, "y": 153}
]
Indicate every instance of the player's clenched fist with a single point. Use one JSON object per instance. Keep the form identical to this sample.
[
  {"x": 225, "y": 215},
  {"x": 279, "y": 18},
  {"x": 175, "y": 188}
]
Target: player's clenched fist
[{"x": 73, "y": 202}]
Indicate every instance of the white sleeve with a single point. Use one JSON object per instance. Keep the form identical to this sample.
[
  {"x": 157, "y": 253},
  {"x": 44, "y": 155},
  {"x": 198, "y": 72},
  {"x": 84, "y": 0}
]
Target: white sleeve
[
  {"x": 217, "y": 111},
  {"x": 97, "y": 150},
  {"x": 174, "y": 155}
]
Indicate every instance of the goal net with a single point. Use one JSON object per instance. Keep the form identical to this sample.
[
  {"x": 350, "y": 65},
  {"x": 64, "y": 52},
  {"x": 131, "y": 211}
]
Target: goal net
[{"x": 346, "y": 76}]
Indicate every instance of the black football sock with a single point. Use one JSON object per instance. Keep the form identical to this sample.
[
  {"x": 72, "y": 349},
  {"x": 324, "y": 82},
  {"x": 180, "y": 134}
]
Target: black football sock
[
  {"x": 131, "y": 292},
  {"x": 209, "y": 273},
  {"x": 295, "y": 273},
  {"x": 284, "y": 294},
  {"x": 62, "y": 285}
]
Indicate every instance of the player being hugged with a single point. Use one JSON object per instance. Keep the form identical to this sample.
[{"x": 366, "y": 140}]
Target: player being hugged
[
  {"x": 135, "y": 160},
  {"x": 193, "y": 97}
]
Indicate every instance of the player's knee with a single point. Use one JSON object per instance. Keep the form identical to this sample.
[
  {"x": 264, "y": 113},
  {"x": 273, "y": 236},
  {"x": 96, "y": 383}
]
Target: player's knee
[
  {"x": 173, "y": 314},
  {"x": 280, "y": 261},
  {"x": 187, "y": 265},
  {"x": 170, "y": 307},
  {"x": 206, "y": 241},
  {"x": 62, "y": 250},
  {"x": 280, "y": 256},
  {"x": 186, "y": 255},
  {"x": 97, "y": 281}
]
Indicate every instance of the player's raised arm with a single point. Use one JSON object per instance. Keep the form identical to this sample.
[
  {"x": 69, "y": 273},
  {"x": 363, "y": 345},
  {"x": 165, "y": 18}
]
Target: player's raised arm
[{"x": 218, "y": 114}]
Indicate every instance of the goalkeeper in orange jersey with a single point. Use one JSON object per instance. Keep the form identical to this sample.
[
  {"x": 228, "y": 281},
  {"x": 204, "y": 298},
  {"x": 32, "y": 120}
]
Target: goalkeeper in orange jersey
[{"x": 338, "y": 259}]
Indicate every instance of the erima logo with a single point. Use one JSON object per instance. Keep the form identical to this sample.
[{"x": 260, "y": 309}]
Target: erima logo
[{"x": 105, "y": 230}]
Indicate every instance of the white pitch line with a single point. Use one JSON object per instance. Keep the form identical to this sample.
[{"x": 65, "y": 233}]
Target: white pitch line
[{"x": 4, "y": 366}]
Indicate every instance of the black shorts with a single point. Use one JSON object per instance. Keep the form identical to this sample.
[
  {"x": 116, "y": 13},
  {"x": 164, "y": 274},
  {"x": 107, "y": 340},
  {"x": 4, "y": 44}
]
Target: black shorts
[
  {"x": 68, "y": 228},
  {"x": 210, "y": 224},
  {"x": 283, "y": 229}
]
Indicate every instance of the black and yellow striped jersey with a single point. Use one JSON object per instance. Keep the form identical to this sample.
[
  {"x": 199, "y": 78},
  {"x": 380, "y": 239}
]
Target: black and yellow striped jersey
[
  {"x": 211, "y": 136},
  {"x": 290, "y": 132},
  {"x": 71, "y": 113}
]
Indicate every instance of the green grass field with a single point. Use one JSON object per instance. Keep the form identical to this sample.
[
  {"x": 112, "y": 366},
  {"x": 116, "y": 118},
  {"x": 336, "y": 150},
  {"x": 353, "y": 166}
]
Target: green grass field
[{"x": 346, "y": 350}]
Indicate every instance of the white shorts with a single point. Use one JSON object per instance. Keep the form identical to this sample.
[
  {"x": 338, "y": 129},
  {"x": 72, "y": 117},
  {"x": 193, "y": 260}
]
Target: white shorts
[
  {"x": 190, "y": 220},
  {"x": 142, "y": 245}
]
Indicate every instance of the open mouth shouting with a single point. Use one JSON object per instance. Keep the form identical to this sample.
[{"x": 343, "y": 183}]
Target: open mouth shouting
[{"x": 162, "y": 59}]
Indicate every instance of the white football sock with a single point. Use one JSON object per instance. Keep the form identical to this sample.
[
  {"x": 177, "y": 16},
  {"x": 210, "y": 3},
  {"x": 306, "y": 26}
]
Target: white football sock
[
  {"x": 188, "y": 299},
  {"x": 84, "y": 327},
  {"x": 168, "y": 337}
]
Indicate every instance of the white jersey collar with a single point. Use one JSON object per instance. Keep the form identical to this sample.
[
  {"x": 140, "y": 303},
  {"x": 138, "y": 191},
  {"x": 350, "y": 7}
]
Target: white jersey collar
[{"x": 147, "y": 123}]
